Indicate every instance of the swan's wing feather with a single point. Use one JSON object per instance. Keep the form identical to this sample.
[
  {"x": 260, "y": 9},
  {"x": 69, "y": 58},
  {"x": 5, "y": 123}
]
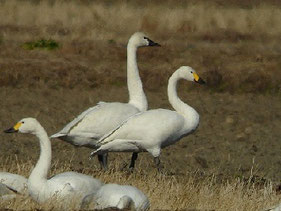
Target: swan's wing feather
[
  {"x": 98, "y": 120},
  {"x": 118, "y": 145},
  {"x": 147, "y": 122},
  {"x": 76, "y": 121},
  {"x": 153, "y": 127},
  {"x": 4, "y": 189},
  {"x": 105, "y": 138},
  {"x": 13, "y": 181},
  {"x": 105, "y": 118}
]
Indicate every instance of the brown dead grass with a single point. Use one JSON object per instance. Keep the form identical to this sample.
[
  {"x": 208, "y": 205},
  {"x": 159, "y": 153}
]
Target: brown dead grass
[
  {"x": 234, "y": 46},
  {"x": 101, "y": 20},
  {"x": 165, "y": 192}
]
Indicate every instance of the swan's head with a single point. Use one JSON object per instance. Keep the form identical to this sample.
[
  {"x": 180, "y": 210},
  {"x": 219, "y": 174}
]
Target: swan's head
[
  {"x": 187, "y": 73},
  {"x": 139, "y": 39},
  {"x": 26, "y": 125}
]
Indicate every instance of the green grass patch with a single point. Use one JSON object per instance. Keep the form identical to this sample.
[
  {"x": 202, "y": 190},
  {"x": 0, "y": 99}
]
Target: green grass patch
[{"x": 41, "y": 44}]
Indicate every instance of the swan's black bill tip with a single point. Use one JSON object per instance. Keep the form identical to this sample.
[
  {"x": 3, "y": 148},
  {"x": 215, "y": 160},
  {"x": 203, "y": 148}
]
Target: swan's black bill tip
[
  {"x": 156, "y": 44},
  {"x": 200, "y": 81},
  {"x": 10, "y": 130},
  {"x": 152, "y": 43}
]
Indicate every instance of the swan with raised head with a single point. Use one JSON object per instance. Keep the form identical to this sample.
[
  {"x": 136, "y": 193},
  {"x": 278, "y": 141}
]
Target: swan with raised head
[
  {"x": 117, "y": 196},
  {"x": 92, "y": 124},
  {"x": 64, "y": 186},
  {"x": 154, "y": 129}
]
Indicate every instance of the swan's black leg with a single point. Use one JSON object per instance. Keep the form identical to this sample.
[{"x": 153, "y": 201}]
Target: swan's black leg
[
  {"x": 158, "y": 164},
  {"x": 103, "y": 161},
  {"x": 133, "y": 159}
]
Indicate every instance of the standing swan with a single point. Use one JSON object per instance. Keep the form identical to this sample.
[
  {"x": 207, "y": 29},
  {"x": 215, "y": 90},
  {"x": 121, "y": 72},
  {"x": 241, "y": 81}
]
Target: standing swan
[
  {"x": 65, "y": 185},
  {"x": 155, "y": 129},
  {"x": 92, "y": 124}
]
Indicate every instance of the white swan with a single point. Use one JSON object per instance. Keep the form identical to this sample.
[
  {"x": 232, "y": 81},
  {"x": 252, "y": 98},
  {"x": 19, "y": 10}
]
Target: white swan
[
  {"x": 117, "y": 196},
  {"x": 97, "y": 121},
  {"x": 154, "y": 129},
  {"x": 64, "y": 186}
]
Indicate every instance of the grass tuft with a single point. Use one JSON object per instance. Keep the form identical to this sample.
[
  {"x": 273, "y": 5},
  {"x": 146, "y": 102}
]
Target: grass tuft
[{"x": 41, "y": 44}]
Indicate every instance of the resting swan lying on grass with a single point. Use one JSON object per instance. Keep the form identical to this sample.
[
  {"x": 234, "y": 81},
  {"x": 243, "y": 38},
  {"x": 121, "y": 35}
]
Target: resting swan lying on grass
[
  {"x": 64, "y": 186},
  {"x": 117, "y": 196},
  {"x": 155, "y": 129}
]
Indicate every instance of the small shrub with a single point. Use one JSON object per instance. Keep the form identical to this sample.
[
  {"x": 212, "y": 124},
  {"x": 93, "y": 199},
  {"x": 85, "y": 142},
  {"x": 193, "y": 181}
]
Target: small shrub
[{"x": 41, "y": 44}]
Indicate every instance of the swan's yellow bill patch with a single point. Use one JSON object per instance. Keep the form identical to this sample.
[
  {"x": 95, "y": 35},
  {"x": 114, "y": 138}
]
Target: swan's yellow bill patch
[
  {"x": 17, "y": 126},
  {"x": 196, "y": 77}
]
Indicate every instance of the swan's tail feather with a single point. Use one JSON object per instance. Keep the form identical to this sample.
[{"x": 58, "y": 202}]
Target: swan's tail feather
[
  {"x": 92, "y": 154},
  {"x": 110, "y": 136},
  {"x": 57, "y": 135}
]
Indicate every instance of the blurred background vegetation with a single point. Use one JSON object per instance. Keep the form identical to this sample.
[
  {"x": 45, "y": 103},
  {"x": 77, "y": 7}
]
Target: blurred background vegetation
[{"x": 234, "y": 44}]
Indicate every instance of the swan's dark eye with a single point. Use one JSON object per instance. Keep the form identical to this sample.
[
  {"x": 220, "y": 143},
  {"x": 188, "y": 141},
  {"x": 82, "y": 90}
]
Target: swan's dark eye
[
  {"x": 191, "y": 71},
  {"x": 22, "y": 122}
]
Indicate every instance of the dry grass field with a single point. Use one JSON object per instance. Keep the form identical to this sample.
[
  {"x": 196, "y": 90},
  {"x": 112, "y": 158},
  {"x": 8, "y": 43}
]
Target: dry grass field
[{"x": 232, "y": 162}]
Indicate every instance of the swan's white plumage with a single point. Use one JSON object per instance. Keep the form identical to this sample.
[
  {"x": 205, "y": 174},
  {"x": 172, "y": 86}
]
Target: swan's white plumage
[
  {"x": 14, "y": 182},
  {"x": 4, "y": 190},
  {"x": 276, "y": 208},
  {"x": 95, "y": 122},
  {"x": 66, "y": 185},
  {"x": 118, "y": 196},
  {"x": 92, "y": 124},
  {"x": 6, "y": 193},
  {"x": 154, "y": 129}
]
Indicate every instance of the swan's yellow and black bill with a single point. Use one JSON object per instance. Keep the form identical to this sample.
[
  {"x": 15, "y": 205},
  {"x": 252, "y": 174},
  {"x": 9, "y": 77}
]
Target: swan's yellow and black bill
[
  {"x": 13, "y": 129},
  {"x": 197, "y": 79},
  {"x": 152, "y": 43}
]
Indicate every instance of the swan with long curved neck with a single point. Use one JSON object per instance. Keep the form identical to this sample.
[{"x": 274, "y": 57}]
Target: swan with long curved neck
[
  {"x": 92, "y": 124},
  {"x": 154, "y": 129},
  {"x": 65, "y": 185}
]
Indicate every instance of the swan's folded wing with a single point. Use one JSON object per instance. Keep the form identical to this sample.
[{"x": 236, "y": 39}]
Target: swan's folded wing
[
  {"x": 110, "y": 136},
  {"x": 76, "y": 121},
  {"x": 118, "y": 145},
  {"x": 4, "y": 190},
  {"x": 68, "y": 187},
  {"x": 97, "y": 121}
]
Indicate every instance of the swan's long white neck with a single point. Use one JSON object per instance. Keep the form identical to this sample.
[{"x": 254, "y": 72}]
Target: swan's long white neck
[
  {"x": 190, "y": 114},
  {"x": 136, "y": 94},
  {"x": 38, "y": 176}
]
